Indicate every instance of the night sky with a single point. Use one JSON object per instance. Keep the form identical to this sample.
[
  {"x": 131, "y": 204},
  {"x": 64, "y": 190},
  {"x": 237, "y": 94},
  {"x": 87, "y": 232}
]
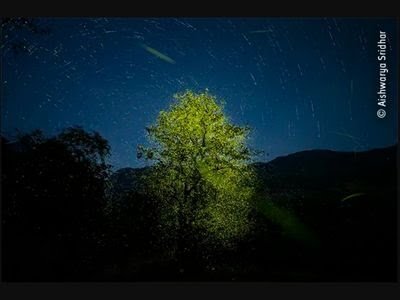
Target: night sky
[{"x": 299, "y": 83}]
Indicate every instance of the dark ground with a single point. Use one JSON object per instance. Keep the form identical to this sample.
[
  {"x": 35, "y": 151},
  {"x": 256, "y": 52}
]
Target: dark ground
[{"x": 338, "y": 210}]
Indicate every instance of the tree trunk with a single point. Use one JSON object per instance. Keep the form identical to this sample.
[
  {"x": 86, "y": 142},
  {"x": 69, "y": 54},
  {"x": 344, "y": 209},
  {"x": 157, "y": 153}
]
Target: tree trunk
[{"x": 186, "y": 246}]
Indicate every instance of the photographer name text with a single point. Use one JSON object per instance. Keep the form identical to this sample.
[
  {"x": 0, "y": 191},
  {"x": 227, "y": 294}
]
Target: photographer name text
[{"x": 383, "y": 72}]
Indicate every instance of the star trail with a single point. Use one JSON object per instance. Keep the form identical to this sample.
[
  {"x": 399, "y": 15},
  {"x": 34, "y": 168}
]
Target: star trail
[{"x": 298, "y": 83}]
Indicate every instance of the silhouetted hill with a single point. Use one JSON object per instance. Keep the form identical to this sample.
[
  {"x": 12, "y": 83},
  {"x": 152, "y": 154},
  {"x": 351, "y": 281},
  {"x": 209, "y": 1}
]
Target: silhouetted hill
[
  {"x": 319, "y": 169},
  {"x": 346, "y": 200},
  {"x": 324, "y": 168}
]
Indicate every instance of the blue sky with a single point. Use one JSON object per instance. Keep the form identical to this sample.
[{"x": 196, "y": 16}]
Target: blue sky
[{"x": 299, "y": 83}]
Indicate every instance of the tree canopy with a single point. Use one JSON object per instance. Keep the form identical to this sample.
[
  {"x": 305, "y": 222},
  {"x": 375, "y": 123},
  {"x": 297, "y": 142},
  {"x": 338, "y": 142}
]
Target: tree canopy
[{"x": 201, "y": 173}]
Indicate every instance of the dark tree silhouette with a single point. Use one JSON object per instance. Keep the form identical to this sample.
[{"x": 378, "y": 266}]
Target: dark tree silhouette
[{"x": 54, "y": 195}]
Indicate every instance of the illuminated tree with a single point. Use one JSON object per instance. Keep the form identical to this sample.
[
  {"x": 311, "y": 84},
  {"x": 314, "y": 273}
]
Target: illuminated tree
[{"x": 201, "y": 174}]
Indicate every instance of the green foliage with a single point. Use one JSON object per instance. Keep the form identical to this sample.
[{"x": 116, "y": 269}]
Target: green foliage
[{"x": 201, "y": 174}]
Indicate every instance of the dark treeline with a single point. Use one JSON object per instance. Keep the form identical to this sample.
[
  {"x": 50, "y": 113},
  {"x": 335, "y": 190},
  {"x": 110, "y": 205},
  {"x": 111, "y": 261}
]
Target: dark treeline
[
  {"x": 58, "y": 221},
  {"x": 67, "y": 217}
]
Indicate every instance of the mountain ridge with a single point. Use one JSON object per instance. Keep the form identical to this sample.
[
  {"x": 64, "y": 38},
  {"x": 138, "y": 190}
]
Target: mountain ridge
[{"x": 308, "y": 151}]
